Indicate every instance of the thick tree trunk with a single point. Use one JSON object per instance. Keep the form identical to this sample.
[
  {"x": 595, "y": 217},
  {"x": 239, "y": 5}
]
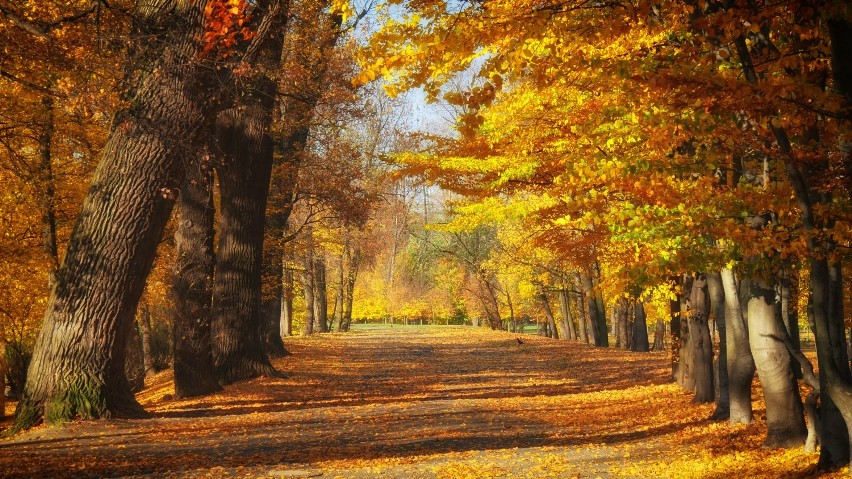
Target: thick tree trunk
[
  {"x": 243, "y": 184},
  {"x": 320, "y": 295},
  {"x": 192, "y": 284},
  {"x": 592, "y": 309},
  {"x": 77, "y": 368},
  {"x": 583, "y": 326},
  {"x": 784, "y": 411},
  {"x": 700, "y": 344},
  {"x": 741, "y": 366},
  {"x": 717, "y": 301},
  {"x": 640, "y": 328}
]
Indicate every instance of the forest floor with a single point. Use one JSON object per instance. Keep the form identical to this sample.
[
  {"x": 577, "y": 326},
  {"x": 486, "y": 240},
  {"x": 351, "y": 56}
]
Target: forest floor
[{"x": 420, "y": 402}]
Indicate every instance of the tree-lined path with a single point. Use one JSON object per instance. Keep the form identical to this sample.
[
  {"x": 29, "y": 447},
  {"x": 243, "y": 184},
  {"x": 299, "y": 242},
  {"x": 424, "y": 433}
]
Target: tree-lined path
[{"x": 412, "y": 402}]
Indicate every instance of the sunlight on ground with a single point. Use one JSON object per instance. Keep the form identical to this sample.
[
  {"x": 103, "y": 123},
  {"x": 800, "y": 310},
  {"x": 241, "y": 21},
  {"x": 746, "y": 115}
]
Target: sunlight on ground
[{"x": 444, "y": 403}]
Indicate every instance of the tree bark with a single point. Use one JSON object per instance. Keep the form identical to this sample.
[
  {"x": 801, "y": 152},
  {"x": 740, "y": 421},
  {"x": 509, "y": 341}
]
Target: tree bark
[
  {"x": 286, "y": 301},
  {"x": 308, "y": 285},
  {"x": 741, "y": 366},
  {"x": 548, "y": 313},
  {"x": 640, "y": 328},
  {"x": 48, "y": 189},
  {"x": 338, "y": 297},
  {"x": 78, "y": 363},
  {"x": 351, "y": 277},
  {"x": 602, "y": 337},
  {"x": 717, "y": 301},
  {"x": 192, "y": 284},
  {"x": 784, "y": 411},
  {"x": 700, "y": 344},
  {"x": 565, "y": 312},
  {"x": 144, "y": 320},
  {"x": 675, "y": 328},
  {"x": 621, "y": 314},
  {"x": 659, "y": 336},
  {"x": 320, "y": 295}
]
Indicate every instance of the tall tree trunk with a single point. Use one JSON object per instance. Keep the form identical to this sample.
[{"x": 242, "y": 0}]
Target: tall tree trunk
[
  {"x": 338, "y": 297},
  {"x": 700, "y": 344},
  {"x": 144, "y": 320},
  {"x": 687, "y": 374},
  {"x": 320, "y": 295},
  {"x": 602, "y": 338},
  {"x": 784, "y": 412},
  {"x": 2, "y": 379},
  {"x": 308, "y": 285},
  {"x": 286, "y": 301},
  {"x": 77, "y": 368},
  {"x": 592, "y": 309},
  {"x": 659, "y": 336},
  {"x": 675, "y": 328},
  {"x": 621, "y": 312},
  {"x": 640, "y": 328},
  {"x": 717, "y": 301},
  {"x": 790, "y": 313},
  {"x": 48, "y": 189},
  {"x": 192, "y": 283},
  {"x": 741, "y": 366},
  {"x": 583, "y": 310},
  {"x": 565, "y": 312},
  {"x": 351, "y": 277},
  {"x": 548, "y": 313}
]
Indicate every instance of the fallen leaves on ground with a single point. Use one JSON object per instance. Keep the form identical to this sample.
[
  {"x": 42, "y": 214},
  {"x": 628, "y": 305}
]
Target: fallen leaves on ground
[{"x": 430, "y": 402}]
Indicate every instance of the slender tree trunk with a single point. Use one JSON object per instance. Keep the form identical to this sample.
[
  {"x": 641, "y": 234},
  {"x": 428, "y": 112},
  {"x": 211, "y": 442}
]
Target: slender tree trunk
[
  {"x": 2, "y": 379},
  {"x": 741, "y": 366},
  {"x": 790, "y": 313},
  {"x": 700, "y": 344},
  {"x": 286, "y": 301},
  {"x": 621, "y": 310},
  {"x": 351, "y": 277},
  {"x": 565, "y": 312},
  {"x": 640, "y": 328},
  {"x": 675, "y": 328},
  {"x": 309, "y": 288},
  {"x": 583, "y": 310},
  {"x": 144, "y": 320},
  {"x": 338, "y": 298},
  {"x": 592, "y": 308},
  {"x": 192, "y": 284},
  {"x": 321, "y": 295},
  {"x": 77, "y": 368},
  {"x": 784, "y": 411},
  {"x": 659, "y": 336},
  {"x": 602, "y": 337},
  {"x": 48, "y": 189},
  {"x": 717, "y": 301},
  {"x": 548, "y": 313}
]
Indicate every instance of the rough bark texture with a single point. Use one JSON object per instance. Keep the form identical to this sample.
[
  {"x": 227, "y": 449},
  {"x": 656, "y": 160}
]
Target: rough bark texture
[
  {"x": 78, "y": 364},
  {"x": 784, "y": 411},
  {"x": 308, "y": 288},
  {"x": 717, "y": 302},
  {"x": 639, "y": 342},
  {"x": 192, "y": 284},
  {"x": 741, "y": 366},
  {"x": 700, "y": 344}
]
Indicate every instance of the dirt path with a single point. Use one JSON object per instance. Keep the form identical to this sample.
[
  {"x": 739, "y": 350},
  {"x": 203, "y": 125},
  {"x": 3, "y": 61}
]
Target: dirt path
[{"x": 395, "y": 403}]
